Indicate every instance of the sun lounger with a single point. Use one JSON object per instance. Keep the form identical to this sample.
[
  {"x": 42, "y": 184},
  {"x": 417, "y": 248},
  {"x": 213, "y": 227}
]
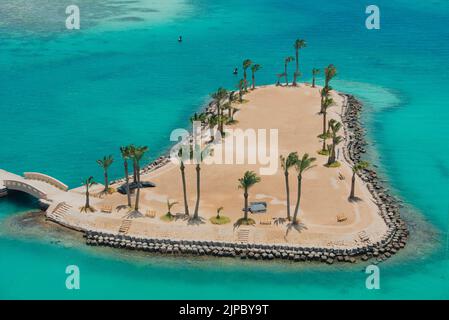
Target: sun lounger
[
  {"x": 363, "y": 236},
  {"x": 341, "y": 217},
  {"x": 150, "y": 214},
  {"x": 106, "y": 209},
  {"x": 266, "y": 220}
]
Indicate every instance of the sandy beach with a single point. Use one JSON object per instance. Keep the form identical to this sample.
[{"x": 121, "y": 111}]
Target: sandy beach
[{"x": 293, "y": 111}]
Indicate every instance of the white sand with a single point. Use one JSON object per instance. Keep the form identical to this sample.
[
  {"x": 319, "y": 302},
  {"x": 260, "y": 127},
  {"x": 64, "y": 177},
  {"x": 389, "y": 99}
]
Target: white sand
[{"x": 294, "y": 112}]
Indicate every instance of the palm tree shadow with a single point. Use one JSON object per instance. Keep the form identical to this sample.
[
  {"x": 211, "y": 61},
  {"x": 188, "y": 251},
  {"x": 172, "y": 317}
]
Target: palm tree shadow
[
  {"x": 279, "y": 221},
  {"x": 295, "y": 226},
  {"x": 133, "y": 214},
  {"x": 191, "y": 221},
  {"x": 87, "y": 209},
  {"x": 354, "y": 199},
  {"x": 242, "y": 222},
  {"x": 101, "y": 194},
  {"x": 181, "y": 216},
  {"x": 122, "y": 207}
]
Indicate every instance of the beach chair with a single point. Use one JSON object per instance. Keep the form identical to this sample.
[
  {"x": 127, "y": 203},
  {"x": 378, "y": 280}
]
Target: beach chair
[
  {"x": 340, "y": 176},
  {"x": 150, "y": 213},
  {"x": 341, "y": 217},
  {"x": 266, "y": 220},
  {"x": 364, "y": 237},
  {"x": 106, "y": 209}
]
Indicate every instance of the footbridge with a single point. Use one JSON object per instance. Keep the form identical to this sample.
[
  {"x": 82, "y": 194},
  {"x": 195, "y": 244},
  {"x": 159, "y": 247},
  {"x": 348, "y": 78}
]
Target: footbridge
[{"x": 38, "y": 185}]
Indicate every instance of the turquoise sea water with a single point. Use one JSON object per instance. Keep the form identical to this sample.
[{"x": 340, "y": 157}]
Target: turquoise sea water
[{"x": 70, "y": 97}]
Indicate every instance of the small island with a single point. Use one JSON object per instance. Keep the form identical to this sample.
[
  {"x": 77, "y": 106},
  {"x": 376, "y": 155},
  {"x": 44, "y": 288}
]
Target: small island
[{"x": 322, "y": 202}]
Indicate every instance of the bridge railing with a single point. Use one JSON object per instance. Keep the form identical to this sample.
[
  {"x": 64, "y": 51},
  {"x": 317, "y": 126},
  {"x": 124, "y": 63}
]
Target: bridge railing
[
  {"x": 22, "y": 186},
  {"x": 45, "y": 178}
]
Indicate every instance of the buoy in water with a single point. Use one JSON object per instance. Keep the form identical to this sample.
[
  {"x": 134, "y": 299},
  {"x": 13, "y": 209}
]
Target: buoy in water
[
  {"x": 180, "y": 39},
  {"x": 235, "y": 71}
]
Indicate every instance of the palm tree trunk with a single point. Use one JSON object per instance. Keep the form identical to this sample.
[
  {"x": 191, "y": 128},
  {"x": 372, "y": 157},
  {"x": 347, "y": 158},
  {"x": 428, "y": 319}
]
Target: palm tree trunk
[
  {"x": 184, "y": 189},
  {"x": 322, "y": 103},
  {"x": 87, "y": 206},
  {"x": 286, "y": 77},
  {"x": 352, "y": 194},
  {"x": 244, "y": 79},
  {"x": 134, "y": 171},
  {"x": 106, "y": 181},
  {"x": 313, "y": 82},
  {"x": 245, "y": 195},
  {"x": 198, "y": 178},
  {"x": 253, "y": 80},
  {"x": 332, "y": 155},
  {"x": 127, "y": 183},
  {"x": 297, "y": 68},
  {"x": 324, "y": 122},
  {"x": 298, "y": 199},
  {"x": 219, "y": 111},
  {"x": 136, "y": 205},
  {"x": 287, "y": 189}
]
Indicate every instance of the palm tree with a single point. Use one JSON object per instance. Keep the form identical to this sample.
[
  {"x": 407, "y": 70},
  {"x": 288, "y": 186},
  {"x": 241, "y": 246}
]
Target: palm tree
[
  {"x": 315, "y": 72},
  {"x": 232, "y": 97},
  {"x": 212, "y": 121},
  {"x": 218, "y": 96},
  {"x": 227, "y": 106},
  {"x": 361, "y": 165},
  {"x": 201, "y": 117},
  {"x": 198, "y": 157},
  {"x": 249, "y": 179},
  {"x": 183, "y": 177},
  {"x": 286, "y": 62},
  {"x": 301, "y": 166},
  {"x": 246, "y": 64},
  {"x": 279, "y": 76},
  {"x": 299, "y": 44},
  {"x": 254, "y": 69},
  {"x": 326, "y": 103},
  {"x": 126, "y": 154},
  {"x": 89, "y": 182},
  {"x": 170, "y": 205},
  {"x": 218, "y": 212},
  {"x": 241, "y": 86},
  {"x": 286, "y": 164},
  {"x": 334, "y": 127},
  {"x": 227, "y": 119},
  {"x": 329, "y": 73},
  {"x": 132, "y": 150},
  {"x": 137, "y": 156},
  {"x": 105, "y": 163}
]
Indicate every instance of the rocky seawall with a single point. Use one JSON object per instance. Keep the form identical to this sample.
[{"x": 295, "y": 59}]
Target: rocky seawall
[{"x": 389, "y": 209}]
